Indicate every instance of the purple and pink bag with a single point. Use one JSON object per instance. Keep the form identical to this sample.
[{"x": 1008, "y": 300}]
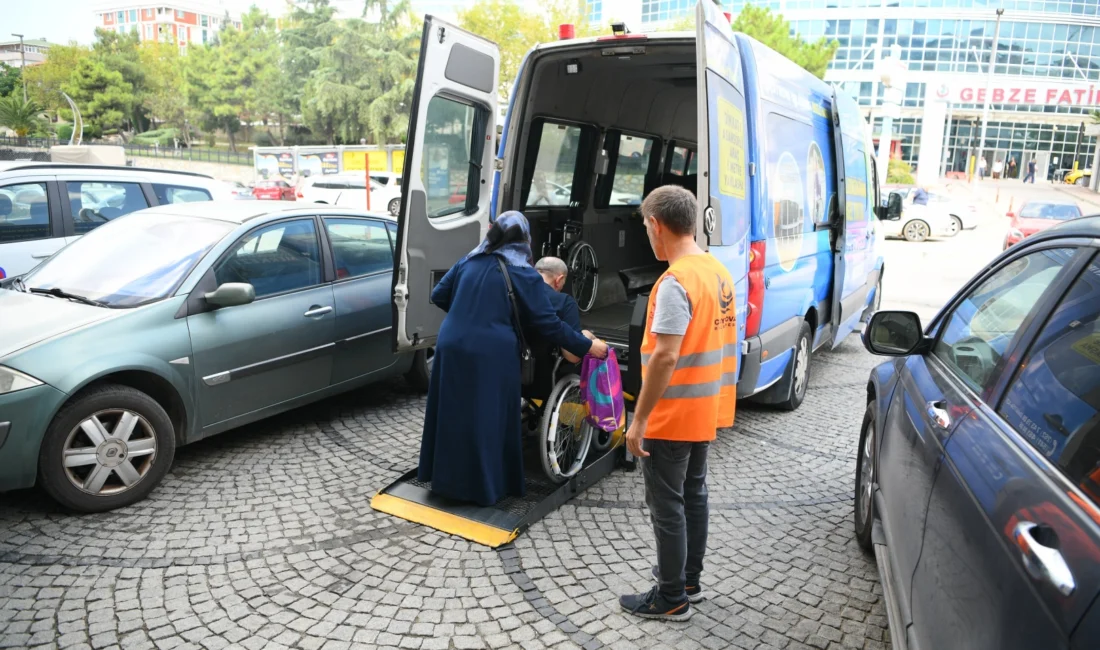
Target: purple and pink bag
[{"x": 602, "y": 392}]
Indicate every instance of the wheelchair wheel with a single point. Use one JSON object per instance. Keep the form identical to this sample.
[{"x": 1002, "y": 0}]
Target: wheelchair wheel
[
  {"x": 564, "y": 434},
  {"x": 584, "y": 275}
]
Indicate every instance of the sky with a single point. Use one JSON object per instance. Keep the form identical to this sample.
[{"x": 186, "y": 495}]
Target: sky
[{"x": 61, "y": 21}]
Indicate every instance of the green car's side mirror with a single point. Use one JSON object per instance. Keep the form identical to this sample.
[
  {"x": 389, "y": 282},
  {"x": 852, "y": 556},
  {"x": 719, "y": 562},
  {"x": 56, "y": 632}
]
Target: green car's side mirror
[{"x": 231, "y": 294}]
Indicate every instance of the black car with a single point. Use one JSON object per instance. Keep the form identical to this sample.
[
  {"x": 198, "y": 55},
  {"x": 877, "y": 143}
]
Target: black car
[{"x": 978, "y": 474}]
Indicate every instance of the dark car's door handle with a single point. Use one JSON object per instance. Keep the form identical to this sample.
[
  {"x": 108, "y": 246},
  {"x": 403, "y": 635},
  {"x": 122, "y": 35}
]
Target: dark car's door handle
[
  {"x": 939, "y": 415},
  {"x": 1043, "y": 562},
  {"x": 317, "y": 310}
]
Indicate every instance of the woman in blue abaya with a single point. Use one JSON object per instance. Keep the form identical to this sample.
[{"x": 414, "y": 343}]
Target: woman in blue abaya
[{"x": 472, "y": 444}]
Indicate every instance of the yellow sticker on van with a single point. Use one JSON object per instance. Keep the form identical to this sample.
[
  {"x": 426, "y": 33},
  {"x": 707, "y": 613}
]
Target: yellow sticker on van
[
  {"x": 1089, "y": 347},
  {"x": 731, "y": 149}
]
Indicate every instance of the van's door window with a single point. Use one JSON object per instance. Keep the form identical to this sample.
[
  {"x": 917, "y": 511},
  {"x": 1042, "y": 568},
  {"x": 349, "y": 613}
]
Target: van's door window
[
  {"x": 681, "y": 159},
  {"x": 24, "y": 212},
  {"x": 94, "y": 203},
  {"x": 448, "y": 141},
  {"x": 552, "y": 183},
  {"x": 628, "y": 184}
]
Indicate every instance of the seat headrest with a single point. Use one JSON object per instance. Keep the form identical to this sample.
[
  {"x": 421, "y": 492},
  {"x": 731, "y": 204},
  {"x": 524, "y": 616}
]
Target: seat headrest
[{"x": 5, "y": 205}]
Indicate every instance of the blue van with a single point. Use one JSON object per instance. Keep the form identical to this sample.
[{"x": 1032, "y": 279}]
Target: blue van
[{"x": 780, "y": 162}]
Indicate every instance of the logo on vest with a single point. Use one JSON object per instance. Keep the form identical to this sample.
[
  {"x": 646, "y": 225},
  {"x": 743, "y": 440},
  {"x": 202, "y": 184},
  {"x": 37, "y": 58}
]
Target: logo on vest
[{"x": 725, "y": 303}]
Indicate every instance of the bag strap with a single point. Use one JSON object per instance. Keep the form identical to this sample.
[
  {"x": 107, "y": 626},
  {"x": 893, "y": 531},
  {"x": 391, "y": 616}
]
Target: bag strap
[{"x": 512, "y": 299}]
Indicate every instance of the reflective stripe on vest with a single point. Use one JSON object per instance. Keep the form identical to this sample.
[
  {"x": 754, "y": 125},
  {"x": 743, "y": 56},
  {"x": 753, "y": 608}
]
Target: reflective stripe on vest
[{"x": 701, "y": 394}]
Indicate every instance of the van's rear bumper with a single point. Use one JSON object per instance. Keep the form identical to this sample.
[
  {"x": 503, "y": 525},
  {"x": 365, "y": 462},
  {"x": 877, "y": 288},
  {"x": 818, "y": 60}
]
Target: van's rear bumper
[{"x": 764, "y": 358}]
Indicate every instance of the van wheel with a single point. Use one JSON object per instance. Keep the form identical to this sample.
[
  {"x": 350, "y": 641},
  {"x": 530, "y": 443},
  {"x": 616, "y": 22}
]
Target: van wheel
[
  {"x": 420, "y": 375},
  {"x": 865, "y": 480},
  {"x": 916, "y": 231},
  {"x": 106, "y": 449},
  {"x": 394, "y": 207},
  {"x": 800, "y": 369}
]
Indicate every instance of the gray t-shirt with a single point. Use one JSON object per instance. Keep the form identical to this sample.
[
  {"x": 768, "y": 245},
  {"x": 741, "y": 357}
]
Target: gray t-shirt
[{"x": 672, "y": 311}]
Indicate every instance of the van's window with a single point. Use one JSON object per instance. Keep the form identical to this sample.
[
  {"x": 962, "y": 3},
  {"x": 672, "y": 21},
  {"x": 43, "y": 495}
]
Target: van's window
[
  {"x": 445, "y": 165},
  {"x": 552, "y": 183},
  {"x": 24, "y": 212},
  {"x": 681, "y": 161},
  {"x": 176, "y": 194},
  {"x": 628, "y": 184},
  {"x": 359, "y": 247},
  {"x": 94, "y": 203}
]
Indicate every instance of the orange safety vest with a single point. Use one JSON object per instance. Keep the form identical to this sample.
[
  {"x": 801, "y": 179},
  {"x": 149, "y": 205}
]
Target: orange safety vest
[{"x": 702, "y": 394}]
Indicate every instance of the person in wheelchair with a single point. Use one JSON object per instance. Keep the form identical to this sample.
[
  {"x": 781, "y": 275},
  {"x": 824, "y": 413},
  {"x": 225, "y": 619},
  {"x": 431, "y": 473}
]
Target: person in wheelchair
[{"x": 547, "y": 371}]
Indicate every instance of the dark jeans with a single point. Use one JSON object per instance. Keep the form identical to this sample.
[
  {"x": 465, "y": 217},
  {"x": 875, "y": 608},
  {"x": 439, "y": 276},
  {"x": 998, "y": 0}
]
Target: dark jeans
[
  {"x": 676, "y": 493},
  {"x": 1031, "y": 176}
]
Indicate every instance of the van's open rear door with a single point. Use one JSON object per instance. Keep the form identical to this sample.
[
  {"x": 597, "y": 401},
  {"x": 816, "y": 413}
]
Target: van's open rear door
[
  {"x": 447, "y": 182},
  {"x": 850, "y": 253},
  {"x": 723, "y": 185}
]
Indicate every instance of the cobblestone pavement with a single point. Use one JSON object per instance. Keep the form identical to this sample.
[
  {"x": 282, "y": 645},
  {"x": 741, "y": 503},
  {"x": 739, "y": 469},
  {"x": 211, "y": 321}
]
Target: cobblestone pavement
[{"x": 263, "y": 538}]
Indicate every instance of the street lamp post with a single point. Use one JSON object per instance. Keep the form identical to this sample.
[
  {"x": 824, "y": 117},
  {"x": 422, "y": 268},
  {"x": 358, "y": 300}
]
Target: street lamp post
[
  {"x": 988, "y": 83},
  {"x": 23, "y": 69}
]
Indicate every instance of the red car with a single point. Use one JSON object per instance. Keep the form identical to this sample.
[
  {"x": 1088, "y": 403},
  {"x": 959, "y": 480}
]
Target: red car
[
  {"x": 1035, "y": 216},
  {"x": 276, "y": 190}
]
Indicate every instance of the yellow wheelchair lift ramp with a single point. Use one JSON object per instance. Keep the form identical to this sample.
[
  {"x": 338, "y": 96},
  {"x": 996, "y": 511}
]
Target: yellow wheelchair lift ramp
[{"x": 496, "y": 525}]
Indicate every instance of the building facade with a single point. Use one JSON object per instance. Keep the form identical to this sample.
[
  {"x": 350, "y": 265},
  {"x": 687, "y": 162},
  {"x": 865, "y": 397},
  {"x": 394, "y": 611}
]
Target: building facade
[
  {"x": 182, "y": 21},
  {"x": 32, "y": 50}
]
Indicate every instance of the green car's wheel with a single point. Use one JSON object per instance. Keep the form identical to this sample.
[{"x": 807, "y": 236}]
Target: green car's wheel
[{"x": 109, "y": 447}]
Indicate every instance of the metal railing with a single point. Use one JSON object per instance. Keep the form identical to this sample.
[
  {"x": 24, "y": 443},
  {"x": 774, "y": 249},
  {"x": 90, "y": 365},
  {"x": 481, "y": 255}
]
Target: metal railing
[{"x": 197, "y": 154}]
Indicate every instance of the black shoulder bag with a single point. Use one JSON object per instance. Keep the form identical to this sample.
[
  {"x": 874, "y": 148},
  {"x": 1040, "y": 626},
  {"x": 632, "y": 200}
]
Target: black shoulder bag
[{"x": 526, "y": 360}]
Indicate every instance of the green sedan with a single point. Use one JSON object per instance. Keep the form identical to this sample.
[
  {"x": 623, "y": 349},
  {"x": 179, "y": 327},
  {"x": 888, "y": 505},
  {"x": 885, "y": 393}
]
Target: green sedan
[{"x": 179, "y": 322}]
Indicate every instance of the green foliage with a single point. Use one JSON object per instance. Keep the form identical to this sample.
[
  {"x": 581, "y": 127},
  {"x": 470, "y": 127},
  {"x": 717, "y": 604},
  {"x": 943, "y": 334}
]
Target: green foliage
[
  {"x": 161, "y": 137},
  {"x": 11, "y": 80},
  {"x": 23, "y": 117},
  {"x": 64, "y": 132},
  {"x": 774, "y": 31},
  {"x": 899, "y": 172},
  {"x": 104, "y": 96}
]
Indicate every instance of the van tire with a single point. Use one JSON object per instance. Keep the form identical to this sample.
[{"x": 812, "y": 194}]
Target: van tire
[
  {"x": 419, "y": 375},
  {"x": 102, "y": 404},
  {"x": 801, "y": 357}
]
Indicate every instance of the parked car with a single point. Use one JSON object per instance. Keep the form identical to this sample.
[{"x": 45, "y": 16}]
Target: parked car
[
  {"x": 240, "y": 191},
  {"x": 275, "y": 189},
  {"x": 44, "y": 206},
  {"x": 919, "y": 223},
  {"x": 222, "y": 314},
  {"x": 1036, "y": 216},
  {"x": 978, "y": 473},
  {"x": 350, "y": 190},
  {"x": 1079, "y": 177},
  {"x": 964, "y": 215}
]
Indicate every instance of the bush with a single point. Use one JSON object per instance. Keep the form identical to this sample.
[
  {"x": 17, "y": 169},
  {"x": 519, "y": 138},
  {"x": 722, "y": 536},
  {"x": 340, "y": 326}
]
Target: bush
[
  {"x": 899, "y": 173},
  {"x": 64, "y": 132},
  {"x": 160, "y": 137},
  {"x": 262, "y": 139}
]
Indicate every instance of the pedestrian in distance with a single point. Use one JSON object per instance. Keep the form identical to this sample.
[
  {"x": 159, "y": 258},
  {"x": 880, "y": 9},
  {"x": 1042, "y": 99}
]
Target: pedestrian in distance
[
  {"x": 689, "y": 370},
  {"x": 1030, "y": 176}
]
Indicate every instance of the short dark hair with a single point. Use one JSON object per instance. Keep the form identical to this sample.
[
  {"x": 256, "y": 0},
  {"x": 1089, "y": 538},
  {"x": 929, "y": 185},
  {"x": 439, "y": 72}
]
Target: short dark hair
[{"x": 674, "y": 207}]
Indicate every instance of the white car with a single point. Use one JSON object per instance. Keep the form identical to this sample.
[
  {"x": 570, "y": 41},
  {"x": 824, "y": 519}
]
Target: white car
[
  {"x": 45, "y": 206},
  {"x": 921, "y": 222},
  {"x": 350, "y": 190}
]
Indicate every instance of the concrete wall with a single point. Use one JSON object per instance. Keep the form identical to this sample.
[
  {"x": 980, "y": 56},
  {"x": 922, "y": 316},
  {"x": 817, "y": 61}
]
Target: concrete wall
[{"x": 243, "y": 173}]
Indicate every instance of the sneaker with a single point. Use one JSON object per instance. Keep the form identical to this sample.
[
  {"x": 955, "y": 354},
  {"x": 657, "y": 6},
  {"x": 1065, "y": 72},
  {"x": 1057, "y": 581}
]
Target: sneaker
[
  {"x": 694, "y": 592},
  {"x": 653, "y": 605}
]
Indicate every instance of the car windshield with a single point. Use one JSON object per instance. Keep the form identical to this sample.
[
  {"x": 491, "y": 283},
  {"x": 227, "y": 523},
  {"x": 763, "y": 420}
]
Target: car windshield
[
  {"x": 132, "y": 261},
  {"x": 1056, "y": 211}
]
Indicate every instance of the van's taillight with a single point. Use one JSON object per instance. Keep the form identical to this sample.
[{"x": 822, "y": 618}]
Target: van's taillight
[
  {"x": 300, "y": 195},
  {"x": 566, "y": 31},
  {"x": 756, "y": 287},
  {"x": 2, "y": 274}
]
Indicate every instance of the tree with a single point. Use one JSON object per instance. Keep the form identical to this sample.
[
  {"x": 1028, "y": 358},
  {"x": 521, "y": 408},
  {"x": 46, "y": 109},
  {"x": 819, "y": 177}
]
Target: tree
[
  {"x": 211, "y": 75},
  {"x": 393, "y": 47},
  {"x": 105, "y": 98},
  {"x": 45, "y": 81},
  {"x": 120, "y": 53},
  {"x": 775, "y": 32},
  {"x": 20, "y": 116},
  {"x": 11, "y": 80},
  {"x": 168, "y": 96}
]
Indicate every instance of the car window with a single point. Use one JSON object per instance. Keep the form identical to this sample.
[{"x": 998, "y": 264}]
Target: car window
[
  {"x": 24, "y": 212},
  {"x": 1054, "y": 400},
  {"x": 178, "y": 194},
  {"x": 94, "y": 203},
  {"x": 631, "y": 166},
  {"x": 450, "y": 131},
  {"x": 1055, "y": 211},
  {"x": 552, "y": 181},
  {"x": 281, "y": 257},
  {"x": 359, "y": 247},
  {"x": 982, "y": 326}
]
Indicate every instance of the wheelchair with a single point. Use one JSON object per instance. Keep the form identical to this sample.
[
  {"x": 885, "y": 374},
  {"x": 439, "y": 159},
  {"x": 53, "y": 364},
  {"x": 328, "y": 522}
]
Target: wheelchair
[{"x": 556, "y": 422}]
